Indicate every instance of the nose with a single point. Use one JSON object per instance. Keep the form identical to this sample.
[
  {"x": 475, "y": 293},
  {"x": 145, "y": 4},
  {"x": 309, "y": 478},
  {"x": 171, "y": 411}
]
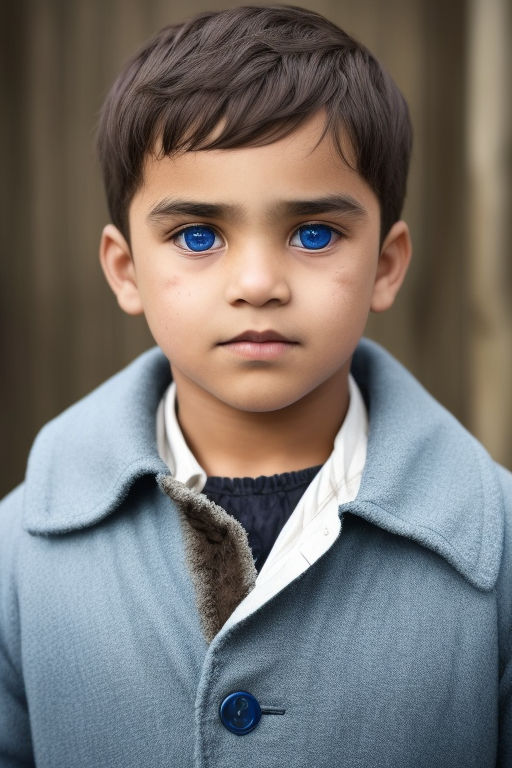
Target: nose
[{"x": 257, "y": 276}]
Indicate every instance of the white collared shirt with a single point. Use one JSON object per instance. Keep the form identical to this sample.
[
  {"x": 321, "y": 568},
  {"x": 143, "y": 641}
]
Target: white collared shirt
[{"x": 313, "y": 526}]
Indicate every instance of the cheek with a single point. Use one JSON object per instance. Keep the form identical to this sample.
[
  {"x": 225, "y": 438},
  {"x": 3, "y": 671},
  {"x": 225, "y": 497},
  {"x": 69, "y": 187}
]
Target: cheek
[
  {"x": 175, "y": 296},
  {"x": 165, "y": 301},
  {"x": 349, "y": 289},
  {"x": 165, "y": 294},
  {"x": 179, "y": 309},
  {"x": 343, "y": 306},
  {"x": 354, "y": 283}
]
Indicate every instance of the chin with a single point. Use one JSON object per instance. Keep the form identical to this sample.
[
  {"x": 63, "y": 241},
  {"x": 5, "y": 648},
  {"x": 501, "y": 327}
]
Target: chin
[{"x": 263, "y": 401}]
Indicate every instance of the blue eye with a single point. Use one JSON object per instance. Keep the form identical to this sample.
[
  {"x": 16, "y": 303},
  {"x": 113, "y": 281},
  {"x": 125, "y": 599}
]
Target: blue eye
[
  {"x": 313, "y": 236},
  {"x": 198, "y": 238}
]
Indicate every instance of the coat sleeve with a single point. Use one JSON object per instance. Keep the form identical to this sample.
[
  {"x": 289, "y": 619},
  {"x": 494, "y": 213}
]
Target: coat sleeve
[
  {"x": 15, "y": 739},
  {"x": 504, "y": 593}
]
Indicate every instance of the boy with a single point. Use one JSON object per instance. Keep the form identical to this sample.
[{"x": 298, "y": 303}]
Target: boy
[{"x": 290, "y": 555}]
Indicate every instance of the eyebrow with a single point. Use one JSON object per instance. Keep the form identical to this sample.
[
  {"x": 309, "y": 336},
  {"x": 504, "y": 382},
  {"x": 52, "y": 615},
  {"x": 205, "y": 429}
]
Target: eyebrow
[
  {"x": 168, "y": 207},
  {"x": 329, "y": 204},
  {"x": 341, "y": 204}
]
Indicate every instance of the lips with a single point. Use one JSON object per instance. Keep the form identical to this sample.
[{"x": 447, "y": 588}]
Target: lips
[{"x": 259, "y": 337}]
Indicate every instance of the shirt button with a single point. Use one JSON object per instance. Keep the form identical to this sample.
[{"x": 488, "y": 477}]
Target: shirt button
[{"x": 240, "y": 712}]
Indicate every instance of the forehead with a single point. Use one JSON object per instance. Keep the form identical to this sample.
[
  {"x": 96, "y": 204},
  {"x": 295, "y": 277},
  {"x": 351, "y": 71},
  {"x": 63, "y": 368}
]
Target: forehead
[{"x": 257, "y": 179}]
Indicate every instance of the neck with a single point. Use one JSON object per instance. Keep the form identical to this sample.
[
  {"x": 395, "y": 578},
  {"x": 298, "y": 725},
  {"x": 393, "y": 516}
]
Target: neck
[{"x": 228, "y": 442}]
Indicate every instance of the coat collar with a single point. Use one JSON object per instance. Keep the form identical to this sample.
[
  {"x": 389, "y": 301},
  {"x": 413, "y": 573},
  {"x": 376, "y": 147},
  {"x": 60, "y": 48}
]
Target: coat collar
[
  {"x": 84, "y": 462},
  {"x": 425, "y": 477}
]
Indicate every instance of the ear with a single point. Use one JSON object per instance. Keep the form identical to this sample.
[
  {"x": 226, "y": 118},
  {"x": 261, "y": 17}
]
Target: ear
[
  {"x": 119, "y": 269},
  {"x": 394, "y": 259}
]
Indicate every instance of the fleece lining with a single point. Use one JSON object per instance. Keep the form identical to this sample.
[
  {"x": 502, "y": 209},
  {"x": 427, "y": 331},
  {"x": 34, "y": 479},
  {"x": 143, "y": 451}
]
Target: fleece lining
[{"x": 217, "y": 552}]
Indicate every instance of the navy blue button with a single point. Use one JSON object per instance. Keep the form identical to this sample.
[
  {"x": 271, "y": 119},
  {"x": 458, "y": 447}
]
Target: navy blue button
[{"x": 240, "y": 712}]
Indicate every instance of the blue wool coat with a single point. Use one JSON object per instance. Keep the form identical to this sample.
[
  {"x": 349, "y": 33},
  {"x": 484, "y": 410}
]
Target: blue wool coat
[{"x": 393, "y": 650}]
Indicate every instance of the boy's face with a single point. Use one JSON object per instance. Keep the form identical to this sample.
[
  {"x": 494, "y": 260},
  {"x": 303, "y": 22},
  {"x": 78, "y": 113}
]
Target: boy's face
[{"x": 282, "y": 238}]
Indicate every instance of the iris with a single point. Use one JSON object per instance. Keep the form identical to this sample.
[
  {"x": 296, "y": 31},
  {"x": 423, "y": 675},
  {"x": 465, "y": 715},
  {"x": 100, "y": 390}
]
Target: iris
[
  {"x": 198, "y": 238},
  {"x": 315, "y": 235}
]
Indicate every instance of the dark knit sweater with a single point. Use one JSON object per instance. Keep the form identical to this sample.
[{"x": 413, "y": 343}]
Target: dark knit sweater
[{"x": 262, "y": 505}]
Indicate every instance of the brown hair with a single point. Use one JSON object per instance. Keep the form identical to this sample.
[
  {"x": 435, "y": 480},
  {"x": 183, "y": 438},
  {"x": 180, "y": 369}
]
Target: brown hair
[{"x": 263, "y": 71}]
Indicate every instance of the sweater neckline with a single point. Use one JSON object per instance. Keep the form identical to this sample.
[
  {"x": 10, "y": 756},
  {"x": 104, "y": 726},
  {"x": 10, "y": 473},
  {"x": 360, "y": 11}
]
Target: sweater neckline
[{"x": 263, "y": 484}]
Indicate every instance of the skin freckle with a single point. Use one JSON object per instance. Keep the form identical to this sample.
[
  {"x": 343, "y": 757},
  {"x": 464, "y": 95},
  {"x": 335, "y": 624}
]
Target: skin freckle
[
  {"x": 340, "y": 277},
  {"x": 174, "y": 281}
]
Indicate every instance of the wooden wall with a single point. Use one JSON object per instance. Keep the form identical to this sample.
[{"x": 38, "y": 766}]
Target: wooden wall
[{"x": 61, "y": 330}]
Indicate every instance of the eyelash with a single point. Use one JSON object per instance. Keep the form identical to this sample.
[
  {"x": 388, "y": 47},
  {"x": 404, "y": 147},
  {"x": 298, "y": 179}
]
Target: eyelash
[{"x": 308, "y": 225}]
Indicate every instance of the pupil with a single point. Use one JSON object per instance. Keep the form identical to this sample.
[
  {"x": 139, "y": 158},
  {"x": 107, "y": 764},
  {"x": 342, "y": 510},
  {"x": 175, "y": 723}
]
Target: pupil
[
  {"x": 315, "y": 237},
  {"x": 199, "y": 238}
]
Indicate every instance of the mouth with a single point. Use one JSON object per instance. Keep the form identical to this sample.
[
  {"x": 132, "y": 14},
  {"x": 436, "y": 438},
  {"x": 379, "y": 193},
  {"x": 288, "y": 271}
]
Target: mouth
[
  {"x": 259, "y": 346},
  {"x": 259, "y": 337}
]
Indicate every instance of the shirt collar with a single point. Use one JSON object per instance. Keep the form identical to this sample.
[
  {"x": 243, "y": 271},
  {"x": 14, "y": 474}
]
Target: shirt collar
[
  {"x": 348, "y": 449},
  {"x": 172, "y": 446}
]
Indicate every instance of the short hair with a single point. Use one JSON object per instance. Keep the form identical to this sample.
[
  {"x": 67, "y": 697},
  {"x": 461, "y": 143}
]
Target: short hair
[{"x": 262, "y": 71}]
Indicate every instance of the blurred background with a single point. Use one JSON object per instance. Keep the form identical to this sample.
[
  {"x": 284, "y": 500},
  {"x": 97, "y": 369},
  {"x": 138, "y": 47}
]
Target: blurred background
[{"x": 61, "y": 330}]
